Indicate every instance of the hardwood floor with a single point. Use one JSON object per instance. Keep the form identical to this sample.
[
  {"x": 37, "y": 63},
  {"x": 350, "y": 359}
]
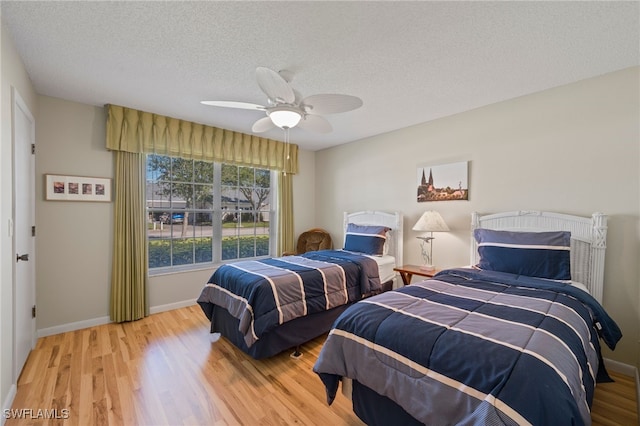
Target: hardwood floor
[
  {"x": 164, "y": 370},
  {"x": 615, "y": 403}
]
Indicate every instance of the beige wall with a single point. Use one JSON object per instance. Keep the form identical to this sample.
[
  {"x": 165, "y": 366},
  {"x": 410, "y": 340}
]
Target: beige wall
[
  {"x": 574, "y": 149},
  {"x": 13, "y": 75},
  {"x": 73, "y": 243},
  {"x": 74, "y": 239}
]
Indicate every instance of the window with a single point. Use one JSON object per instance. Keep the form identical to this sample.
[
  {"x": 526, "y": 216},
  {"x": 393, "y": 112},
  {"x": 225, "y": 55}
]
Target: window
[{"x": 201, "y": 212}]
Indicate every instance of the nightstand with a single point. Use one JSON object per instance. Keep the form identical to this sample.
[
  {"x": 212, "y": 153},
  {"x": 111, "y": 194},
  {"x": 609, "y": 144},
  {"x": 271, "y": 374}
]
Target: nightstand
[{"x": 408, "y": 271}]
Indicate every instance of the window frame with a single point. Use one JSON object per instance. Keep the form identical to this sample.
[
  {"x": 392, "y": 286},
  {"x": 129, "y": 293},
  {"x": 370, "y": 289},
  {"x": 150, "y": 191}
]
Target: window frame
[{"x": 216, "y": 212}]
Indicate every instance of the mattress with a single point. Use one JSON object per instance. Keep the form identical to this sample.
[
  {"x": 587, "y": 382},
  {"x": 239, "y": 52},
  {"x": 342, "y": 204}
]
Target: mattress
[{"x": 386, "y": 263}]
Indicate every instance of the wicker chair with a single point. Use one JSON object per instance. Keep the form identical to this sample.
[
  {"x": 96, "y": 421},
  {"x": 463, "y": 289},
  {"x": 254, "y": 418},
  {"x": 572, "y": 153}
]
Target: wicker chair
[{"x": 312, "y": 240}]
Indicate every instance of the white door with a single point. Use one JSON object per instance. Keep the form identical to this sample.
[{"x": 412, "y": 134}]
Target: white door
[{"x": 23, "y": 239}]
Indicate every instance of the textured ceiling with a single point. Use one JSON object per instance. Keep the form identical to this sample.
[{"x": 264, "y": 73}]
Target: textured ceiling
[{"x": 410, "y": 62}]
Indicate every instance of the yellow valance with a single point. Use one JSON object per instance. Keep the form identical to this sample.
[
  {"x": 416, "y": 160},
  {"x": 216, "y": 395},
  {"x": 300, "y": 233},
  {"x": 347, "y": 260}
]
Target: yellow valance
[{"x": 136, "y": 131}]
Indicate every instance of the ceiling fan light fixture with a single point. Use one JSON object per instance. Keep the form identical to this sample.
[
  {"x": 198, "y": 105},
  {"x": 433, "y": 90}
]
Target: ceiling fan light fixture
[
  {"x": 285, "y": 110},
  {"x": 285, "y": 117}
]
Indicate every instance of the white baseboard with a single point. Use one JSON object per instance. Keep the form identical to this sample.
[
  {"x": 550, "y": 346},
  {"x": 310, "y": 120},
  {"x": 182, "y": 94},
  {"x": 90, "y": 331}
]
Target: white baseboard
[
  {"x": 79, "y": 325},
  {"x": 8, "y": 402},
  {"x": 619, "y": 367},
  {"x": 171, "y": 306},
  {"x": 72, "y": 326}
]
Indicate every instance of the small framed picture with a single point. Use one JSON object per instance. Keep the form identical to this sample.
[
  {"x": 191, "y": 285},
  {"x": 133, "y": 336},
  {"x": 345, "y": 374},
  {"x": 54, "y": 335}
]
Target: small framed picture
[
  {"x": 443, "y": 182},
  {"x": 77, "y": 188}
]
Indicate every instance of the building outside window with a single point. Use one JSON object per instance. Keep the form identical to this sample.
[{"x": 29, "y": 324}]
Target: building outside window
[{"x": 201, "y": 213}]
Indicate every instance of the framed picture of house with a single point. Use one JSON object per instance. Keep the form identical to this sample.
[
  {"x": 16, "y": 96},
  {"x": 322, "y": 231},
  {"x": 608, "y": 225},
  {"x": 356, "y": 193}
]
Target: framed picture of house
[
  {"x": 443, "y": 182},
  {"x": 77, "y": 188}
]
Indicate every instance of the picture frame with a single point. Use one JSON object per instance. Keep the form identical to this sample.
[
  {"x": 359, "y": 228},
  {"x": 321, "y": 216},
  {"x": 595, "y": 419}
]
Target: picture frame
[
  {"x": 77, "y": 188},
  {"x": 443, "y": 182}
]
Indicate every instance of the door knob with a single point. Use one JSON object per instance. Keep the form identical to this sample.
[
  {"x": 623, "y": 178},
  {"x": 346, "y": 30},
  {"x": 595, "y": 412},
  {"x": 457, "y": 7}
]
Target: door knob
[{"x": 24, "y": 257}]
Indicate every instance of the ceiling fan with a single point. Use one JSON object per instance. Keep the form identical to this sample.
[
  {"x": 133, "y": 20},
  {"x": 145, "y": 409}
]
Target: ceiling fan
[{"x": 286, "y": 110}]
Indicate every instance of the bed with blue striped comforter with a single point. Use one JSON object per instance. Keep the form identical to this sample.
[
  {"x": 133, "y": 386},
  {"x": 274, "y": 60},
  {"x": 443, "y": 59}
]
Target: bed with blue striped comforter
[
  {"x": 474, "y": 347},
  {"x": 266, "y": 293}
]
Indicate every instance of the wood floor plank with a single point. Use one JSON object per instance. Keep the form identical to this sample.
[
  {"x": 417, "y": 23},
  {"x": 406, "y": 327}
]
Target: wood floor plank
[
  {"x": 615, "y": 403},
  {"x": 166, "y": 370}
]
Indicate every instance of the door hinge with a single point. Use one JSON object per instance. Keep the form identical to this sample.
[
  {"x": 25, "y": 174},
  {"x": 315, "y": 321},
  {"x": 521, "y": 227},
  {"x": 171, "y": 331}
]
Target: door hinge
[
  {"x": 33, "y": 231},
  {"x": 33, "y": 148},
  {"x": 33, "y": 311}
]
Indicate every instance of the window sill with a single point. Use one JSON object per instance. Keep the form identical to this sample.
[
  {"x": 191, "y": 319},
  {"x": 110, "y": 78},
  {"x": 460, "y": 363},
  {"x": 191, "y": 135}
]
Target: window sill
[
  {"x": 201, "y": 267},
  {"x": 181, "y": 270}
]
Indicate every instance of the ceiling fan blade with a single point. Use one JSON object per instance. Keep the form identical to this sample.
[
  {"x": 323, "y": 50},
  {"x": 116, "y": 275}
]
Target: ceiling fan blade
[
  {"x": 234, "y": 104},
  {"x": 263, "y": 125},
  {"x": 315, "y": 123},
  {"x": 275, "y": 87},
  {"x": 331, "y": 104}
]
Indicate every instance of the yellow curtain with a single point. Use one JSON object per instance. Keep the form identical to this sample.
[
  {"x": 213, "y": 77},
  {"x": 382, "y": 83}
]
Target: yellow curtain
[
  {"x": 131, "y": 134},
  {"x": 286, "y": 239},
  {"x": 129, "y": 264},
  {"x": 143, "y": 132}
]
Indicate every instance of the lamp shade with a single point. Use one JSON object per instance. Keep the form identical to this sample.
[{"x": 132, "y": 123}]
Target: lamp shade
[
  {"x": 285, "y": 117},
  {"x": 431, "y": 221}
]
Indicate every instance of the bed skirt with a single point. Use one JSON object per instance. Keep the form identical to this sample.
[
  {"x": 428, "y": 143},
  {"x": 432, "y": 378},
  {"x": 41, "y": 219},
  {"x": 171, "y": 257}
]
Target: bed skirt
[
  {"x": 286, "y": 336},
  {"x": 375, "y": 409}
]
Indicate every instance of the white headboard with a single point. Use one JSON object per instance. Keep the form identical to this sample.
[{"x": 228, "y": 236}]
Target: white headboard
[
  {"x": 588, "y": 239},
  {"x": 390, "y": 220}
]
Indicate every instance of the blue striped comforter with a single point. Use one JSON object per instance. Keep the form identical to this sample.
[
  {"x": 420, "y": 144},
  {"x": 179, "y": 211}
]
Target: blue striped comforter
[
  {"x": 265, "y": 293},
  {"x": 473, "y": 347}
]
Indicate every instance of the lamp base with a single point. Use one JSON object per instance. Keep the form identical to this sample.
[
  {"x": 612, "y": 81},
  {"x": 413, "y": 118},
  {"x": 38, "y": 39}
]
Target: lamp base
[{"x": 427, "y": 268}]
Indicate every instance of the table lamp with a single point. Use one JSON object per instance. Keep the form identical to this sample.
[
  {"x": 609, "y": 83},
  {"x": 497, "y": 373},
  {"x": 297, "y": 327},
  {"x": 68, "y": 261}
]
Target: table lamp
[{"x": 431, "y": 222}]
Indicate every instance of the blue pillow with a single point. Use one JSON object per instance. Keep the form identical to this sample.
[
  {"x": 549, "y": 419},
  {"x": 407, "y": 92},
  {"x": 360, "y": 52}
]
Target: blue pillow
[
  {"x": 534, "y": 254},
  {"x": 365, "y": 239}
]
